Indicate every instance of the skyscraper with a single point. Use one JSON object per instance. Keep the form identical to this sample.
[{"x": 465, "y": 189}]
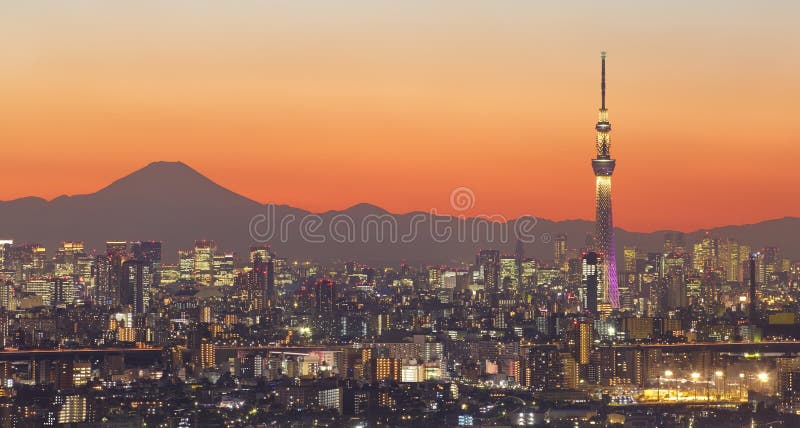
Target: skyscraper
[
  {"x": 137, "y": 279},
  {"x": 489, "y": 264},
  {"x": 559, "y": 250},
  {"x": 150, "y": 252},
  {"x": 592, "y": 276},
  {"x": 603, "y": 166},
  {"x": 204, "y": 262}
]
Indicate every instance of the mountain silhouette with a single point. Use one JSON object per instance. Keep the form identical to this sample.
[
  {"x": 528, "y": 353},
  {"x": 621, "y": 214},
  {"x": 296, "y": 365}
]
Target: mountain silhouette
[{"x": 173, "y": 203}]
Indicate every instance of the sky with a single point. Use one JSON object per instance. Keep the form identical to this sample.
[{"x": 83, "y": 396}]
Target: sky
[{"x": 326, "y": 104}]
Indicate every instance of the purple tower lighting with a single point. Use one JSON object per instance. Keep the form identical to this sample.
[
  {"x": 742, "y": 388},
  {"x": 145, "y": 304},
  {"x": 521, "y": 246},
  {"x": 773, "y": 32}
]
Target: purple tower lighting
[{"x": 603, "y": 166}]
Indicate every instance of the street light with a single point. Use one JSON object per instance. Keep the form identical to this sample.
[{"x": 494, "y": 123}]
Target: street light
[
  {"x": 719, "y": 374},
  {"x": 667, "y": 374},
  {"x": 741, "y": 385},
  {"x": 695, "y": 376}
]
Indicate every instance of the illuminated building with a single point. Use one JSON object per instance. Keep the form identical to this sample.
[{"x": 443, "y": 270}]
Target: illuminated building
[
  {"x": 434, "y": 277},
  {"x": 733, "y": 258},
  {"x": 137, "y": 278},
  {"x": 603, "y": 166},
  {"x": 38, "y": 259},
  {"x": 489, "y": 265},
  {"x": 387, "y": 369},
  {"x": 631, "y": 255},
  {"x": 41, "y": 288},
  {"x": 149, "y": 252},
  {"x": 585, "y": 339},
  {"x": 546, "y": 369},
  {"x": 705, "y": 255},
  {"x": 101, "y": 281},
  {"x": 592, "y": 268},
  {"x": 412, "y": 372},
  {"x": 509, "y": 273},
  {"x": 204, "y": 262},
  {"x": 753, "y": 310},
  {"x": 73, "y": 410},
  {"x": 262, "y": 251},
  {"x": 126, "y": 334},
  {"x": 63, "y": 290},
  {"x": 257, "y": 282},
  {"x": 117, "y": 253},
  {"x": 67, "y": 256},
  {"x": 224, "y": 272},
  {"x": 325, "y": 300},
  {"x": 205, "y": 315},
  {"x": 81, "y": 373},
  {"x": 185, "y": 266},
  {"x": 207, "y": 355},
  {"x": 330, "y": 399},
  {"x": 559, "y": 250}
]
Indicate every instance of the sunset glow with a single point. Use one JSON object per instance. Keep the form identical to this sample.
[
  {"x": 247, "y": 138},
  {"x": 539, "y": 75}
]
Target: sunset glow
[{"x": 323, "y": 105}]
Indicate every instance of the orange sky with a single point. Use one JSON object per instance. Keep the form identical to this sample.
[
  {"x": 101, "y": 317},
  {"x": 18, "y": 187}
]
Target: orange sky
[{"x": 322, "y": 105}]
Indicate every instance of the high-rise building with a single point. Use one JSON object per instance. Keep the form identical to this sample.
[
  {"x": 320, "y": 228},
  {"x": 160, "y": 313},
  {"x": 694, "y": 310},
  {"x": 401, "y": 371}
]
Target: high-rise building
[
  {"x": 559, "y": 250},
  {"x": 185, "y": 266},
  {"x": 592, "y": 268},
  {"x": 325, "y": 300},
  {"x": 207, "y": 355},
  {"x": 136, "y": 285},
  {"x": 204, "y": 262},
  {"x": 63, "y": 290},
  {"x": 705, "y": 255},
  {"x": 603, "y": 166},
  {"x": 149, "y": 252},
  {"x": 489, "y": 265},
  {"x": 101, "y": 281},
  {"x": 66, "y": 260},
  {"x": 73, "y": 410},
  {"x": 509, "y": 273},
  {"x": 117, "y": 253},
  {"x": 224, "y": 272},
  {"x": 753, "y": 312}
]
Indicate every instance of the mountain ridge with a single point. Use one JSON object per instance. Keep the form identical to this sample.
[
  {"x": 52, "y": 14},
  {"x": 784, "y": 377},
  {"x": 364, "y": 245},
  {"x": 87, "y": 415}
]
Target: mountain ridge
[{"x": 174, "y": 203}]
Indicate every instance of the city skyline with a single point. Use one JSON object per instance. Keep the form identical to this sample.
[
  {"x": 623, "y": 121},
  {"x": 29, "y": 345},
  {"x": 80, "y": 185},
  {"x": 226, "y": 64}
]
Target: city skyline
[
  {"x": 390, "y": 223},
  {"x": 496, "y": 99}
]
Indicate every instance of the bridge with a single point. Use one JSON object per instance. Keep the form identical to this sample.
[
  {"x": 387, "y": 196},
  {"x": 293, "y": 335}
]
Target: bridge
[
  {"x": 779, "y": 347},
  {"x": 78, "y": 353}
]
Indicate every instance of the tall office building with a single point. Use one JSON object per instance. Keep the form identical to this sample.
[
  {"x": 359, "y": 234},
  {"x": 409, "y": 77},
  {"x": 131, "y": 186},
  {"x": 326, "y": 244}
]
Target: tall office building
[
  {"x": 136, "y": 285},
  {"x": 559, "y": 250},
  {"x": 592, "y": 268},
  {"x": 753, "y": 312},
  {"x": 185, "y": 266},
  {"x": 603, "y": 166},
  {"x": 63, "y": 290},
  {"x": 224, "y": 269},
  {"x": 325, "y": 302},
  {"x": 73, "y": 410},
  {"x": 509, "y": 273},
  {"x": 102, "y": 294},
  {"x": 117, "y": 253},
  {"x": 204, "y": 262},
  {"x": 489, "y": 265},
  {"x": 150, "y": 252},
  {"x": 705, "y": 255}
]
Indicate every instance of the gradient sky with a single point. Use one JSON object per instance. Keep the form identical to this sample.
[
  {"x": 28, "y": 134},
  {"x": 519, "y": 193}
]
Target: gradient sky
[{"x": 325, "y": 104}]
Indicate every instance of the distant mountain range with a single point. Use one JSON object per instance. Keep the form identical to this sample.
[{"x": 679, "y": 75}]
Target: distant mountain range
[{"x": 173, "y": 203}]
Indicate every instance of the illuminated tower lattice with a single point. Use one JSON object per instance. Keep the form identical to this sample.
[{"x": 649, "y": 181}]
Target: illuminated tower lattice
[{"x": 603, "y": 167}]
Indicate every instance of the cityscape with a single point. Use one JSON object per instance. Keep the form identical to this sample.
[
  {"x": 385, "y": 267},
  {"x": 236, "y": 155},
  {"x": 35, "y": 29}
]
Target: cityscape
[{"x": 164, "y": 299}]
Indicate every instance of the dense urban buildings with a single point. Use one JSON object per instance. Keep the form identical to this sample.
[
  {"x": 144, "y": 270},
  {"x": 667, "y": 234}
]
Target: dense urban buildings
[{"x": 293, "y": 341}]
